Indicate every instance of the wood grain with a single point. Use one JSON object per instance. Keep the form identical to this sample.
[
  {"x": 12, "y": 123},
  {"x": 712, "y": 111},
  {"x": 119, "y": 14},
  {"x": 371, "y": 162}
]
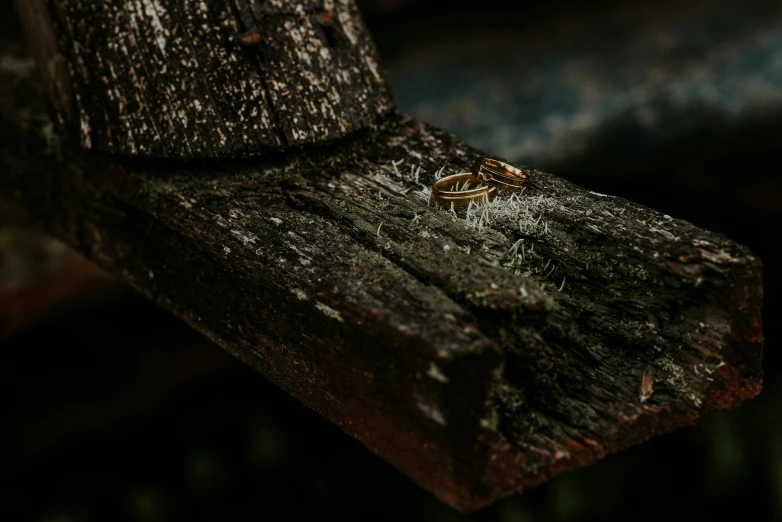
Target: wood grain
[{"x": 167, "y": 78}]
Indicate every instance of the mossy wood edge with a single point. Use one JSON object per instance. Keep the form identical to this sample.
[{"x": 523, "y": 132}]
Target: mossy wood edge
[{"x": 480, "y": 351}]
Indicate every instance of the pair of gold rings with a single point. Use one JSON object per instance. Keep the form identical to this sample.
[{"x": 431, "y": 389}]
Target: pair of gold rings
[{"x": 487, "y": 178}]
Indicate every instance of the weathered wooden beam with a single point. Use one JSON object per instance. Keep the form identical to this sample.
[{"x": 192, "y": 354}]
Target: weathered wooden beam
[
  {"x": 213, "y": 78},
  {"x": 479, "y": 351},
  {"x": 419, "y": 330}
]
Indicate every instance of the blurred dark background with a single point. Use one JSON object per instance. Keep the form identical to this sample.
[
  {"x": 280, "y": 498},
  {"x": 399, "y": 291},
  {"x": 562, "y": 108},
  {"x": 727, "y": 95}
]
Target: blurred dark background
[{"x": 113, "y": 410}]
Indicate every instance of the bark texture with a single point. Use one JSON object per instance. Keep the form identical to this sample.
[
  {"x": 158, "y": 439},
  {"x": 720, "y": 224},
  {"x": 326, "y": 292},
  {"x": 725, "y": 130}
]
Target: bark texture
[
  {"x": 480, "y": 350},
  {"x": 207, "y": 78}
]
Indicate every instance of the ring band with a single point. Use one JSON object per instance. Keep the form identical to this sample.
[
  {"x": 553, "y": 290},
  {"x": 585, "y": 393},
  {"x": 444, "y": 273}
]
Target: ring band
[
  {"x": 446, "y": 191},
  {"x": 500, "y": 174}
]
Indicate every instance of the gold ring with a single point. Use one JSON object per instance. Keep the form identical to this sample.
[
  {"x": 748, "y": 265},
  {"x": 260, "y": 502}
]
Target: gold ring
[
  {"x": 459, "y": 189},
  {"x": 500, "y": 174}
]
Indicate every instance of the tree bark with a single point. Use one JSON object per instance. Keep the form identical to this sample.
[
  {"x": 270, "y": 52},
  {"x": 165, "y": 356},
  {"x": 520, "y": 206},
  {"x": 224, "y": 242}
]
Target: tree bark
[{"x": 479, "y": 351}]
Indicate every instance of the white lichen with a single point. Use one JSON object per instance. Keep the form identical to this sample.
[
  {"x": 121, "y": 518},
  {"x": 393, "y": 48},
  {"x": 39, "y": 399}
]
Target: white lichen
[
  {"x": 300, "y": 294},
  {"x": 435, "y": 373},
  {"x": 329, "y": 312},
  {"x": 432, "y": 412}
]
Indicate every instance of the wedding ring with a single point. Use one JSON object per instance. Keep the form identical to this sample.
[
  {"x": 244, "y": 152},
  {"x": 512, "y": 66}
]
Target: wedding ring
[
  {"x": 500, "y": 174},
  {"x": 459, "y": 189}
]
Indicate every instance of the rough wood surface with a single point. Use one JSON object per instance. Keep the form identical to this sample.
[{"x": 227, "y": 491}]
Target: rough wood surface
[
  {"x": 207, "y": 78},
  {"x": 479, "y": 351},
  {"x": 418, "y": 330}
]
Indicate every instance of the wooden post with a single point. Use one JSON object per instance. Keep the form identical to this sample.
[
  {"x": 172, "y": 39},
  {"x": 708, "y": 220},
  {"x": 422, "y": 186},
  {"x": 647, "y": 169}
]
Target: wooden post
[{"x": 207, "y": 79}]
